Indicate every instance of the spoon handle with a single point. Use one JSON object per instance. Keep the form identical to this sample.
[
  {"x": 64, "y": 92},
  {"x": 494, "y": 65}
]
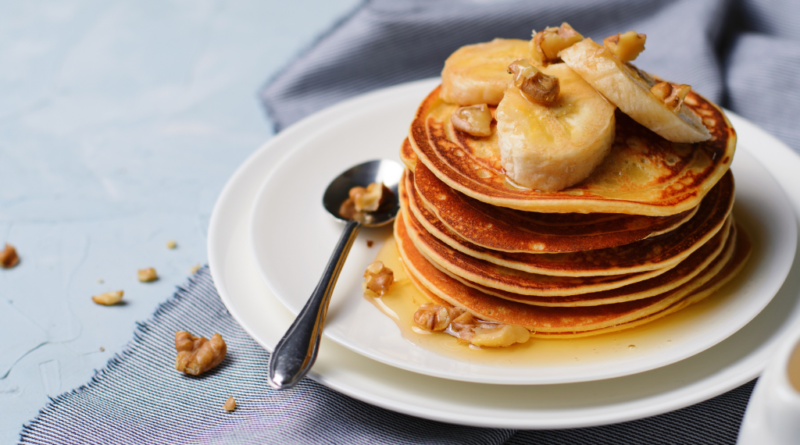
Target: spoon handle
[{"x": 296, "y": 352}]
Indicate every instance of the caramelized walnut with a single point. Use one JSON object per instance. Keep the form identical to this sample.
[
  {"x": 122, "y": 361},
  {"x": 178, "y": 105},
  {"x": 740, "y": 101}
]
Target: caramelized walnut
[
  {"x": 197, "y": 355},
  {"x": 9, "y": 257},
  {"x": 108, "y": 298},
  {"x": 671, "y": 94},
  {"x": 147, "y": 275},
  {"x": 626, "y": 46},
  {"x": 363, "y": 200},
  {"x": 546, "y": 44},
  {"x": 535, "y": 85},
  {"x": 473, "y": 119},
  {"x": 378, "y": 278},
  {"x": 432, "y": 317}
]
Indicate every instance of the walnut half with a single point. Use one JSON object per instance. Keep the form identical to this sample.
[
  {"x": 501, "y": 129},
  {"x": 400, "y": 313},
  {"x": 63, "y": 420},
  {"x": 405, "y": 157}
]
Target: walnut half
[
  {"x": 197, "y": 355},
  {"x": 535, "y": 85},
  {"x": 378, "y": 278}
]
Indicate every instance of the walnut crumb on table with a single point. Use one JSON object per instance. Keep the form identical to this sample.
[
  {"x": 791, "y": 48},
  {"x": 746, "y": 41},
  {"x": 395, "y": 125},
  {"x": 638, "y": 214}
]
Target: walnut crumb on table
[
  {"x": 171, "y": 244},
  {"x": 147, "y": 275},
  {"x": 108, "y": 298},
  {"x": 230, "y": 404},
  {"x": 8, "y": 257},
  {"x": 195, "y": 268}
]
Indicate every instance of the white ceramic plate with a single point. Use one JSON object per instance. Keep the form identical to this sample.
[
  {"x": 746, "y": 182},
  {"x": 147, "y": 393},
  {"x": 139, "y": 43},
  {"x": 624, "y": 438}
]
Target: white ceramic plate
[
  {"x": 290, "y": 253},
  {"x": 727, "y": 365}
]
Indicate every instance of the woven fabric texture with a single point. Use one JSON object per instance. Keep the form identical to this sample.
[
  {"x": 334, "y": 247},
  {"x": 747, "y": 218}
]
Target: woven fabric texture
[{"x": 139, "y": 398}]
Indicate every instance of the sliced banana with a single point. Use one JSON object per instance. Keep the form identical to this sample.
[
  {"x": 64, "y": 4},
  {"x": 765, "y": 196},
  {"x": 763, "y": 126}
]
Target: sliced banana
[
  {"x": 477, "y": 74},
  {"x": 630, "y": 89},
  {"x": 551, "y": 147}
]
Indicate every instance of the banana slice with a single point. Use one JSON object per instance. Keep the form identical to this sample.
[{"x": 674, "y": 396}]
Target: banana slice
[
  {"x": 630, "y": 89},
  {"x": 551, "y": 147},
  {"x": 477, "y": 74}
]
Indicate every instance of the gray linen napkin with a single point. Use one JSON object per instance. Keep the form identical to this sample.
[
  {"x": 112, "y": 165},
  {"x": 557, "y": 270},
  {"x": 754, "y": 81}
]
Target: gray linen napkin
[{"x": 139, "y": 398}]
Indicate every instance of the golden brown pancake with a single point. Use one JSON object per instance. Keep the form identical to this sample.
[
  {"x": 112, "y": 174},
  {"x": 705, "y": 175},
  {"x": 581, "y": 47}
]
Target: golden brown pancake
[
  {"x": 664, "y": 251},
  {"x": 509, "y": 230},
  {"x": 729, "y": 271},
  {"x": 719, "y": 246},
  {"x": 511, "y": 280},
  {"x": 643, "y": 174},
  {"x": 550, "y": 320}
]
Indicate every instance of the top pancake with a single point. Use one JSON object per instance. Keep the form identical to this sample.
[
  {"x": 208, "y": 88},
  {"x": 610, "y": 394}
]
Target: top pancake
[{"x": 643, "y": 174}]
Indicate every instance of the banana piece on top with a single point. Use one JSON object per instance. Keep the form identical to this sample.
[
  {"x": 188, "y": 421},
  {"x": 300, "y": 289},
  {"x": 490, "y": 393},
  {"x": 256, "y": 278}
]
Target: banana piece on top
[
  {"x": 477, "y": 74},
  {"x": 649, "y": 101},
  {"x": 551, "y": 144}
]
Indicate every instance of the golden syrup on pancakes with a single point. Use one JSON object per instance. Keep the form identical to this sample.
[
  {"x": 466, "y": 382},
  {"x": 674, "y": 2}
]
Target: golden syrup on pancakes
[{"x": 403, "y": 299}]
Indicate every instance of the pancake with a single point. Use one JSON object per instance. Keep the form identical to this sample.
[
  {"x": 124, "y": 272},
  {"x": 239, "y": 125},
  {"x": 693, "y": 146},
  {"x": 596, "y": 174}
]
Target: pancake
[
  {"x": 541, "y": 320},
  {"x": 663, "y": 251},
  {"x": 511, "y": 280},
  {"x": 643, "y": 174},
  {"x": 719, "y": 247},
  {"x": 729, "y": 271},
  {"x": 508, "y": 230}
]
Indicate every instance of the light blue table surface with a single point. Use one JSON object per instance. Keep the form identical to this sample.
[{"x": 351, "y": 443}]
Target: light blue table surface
[{"x": 120, "y": 122}]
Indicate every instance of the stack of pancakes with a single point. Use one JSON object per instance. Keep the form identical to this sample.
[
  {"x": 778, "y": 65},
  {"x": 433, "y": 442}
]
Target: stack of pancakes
[{"x": 648, "y": 233}]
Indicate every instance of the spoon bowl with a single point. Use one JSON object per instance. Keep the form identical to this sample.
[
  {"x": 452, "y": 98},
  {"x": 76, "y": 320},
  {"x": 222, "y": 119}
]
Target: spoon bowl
[
  {"x": 296, "y": 352},
  {"x": 386, "y": 171}
]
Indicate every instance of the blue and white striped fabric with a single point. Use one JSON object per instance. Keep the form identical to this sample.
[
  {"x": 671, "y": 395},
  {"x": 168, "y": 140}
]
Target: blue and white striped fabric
[{"x": 139, "y": 398}]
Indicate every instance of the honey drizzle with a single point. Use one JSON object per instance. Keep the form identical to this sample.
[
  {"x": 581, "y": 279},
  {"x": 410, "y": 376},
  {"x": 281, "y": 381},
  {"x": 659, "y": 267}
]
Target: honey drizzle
[{"x": 403, "y": 299}]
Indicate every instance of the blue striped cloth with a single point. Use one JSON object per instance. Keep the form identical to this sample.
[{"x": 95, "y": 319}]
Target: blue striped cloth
[{"x": 139, "y": 398}]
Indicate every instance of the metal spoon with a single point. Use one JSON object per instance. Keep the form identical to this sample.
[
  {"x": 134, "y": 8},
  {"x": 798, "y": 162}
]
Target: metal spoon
[{"x": 296, "y": 352}]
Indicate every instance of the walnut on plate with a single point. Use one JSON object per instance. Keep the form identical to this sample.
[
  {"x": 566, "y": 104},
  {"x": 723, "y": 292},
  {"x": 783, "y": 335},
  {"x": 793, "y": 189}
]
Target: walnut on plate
[
  {"x": 378, "y": 278},
  {"x": 197, "y": 355},
  {"x": 230, "y": 404}
]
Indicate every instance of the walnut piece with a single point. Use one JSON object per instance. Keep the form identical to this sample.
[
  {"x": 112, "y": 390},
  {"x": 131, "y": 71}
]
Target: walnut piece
[
  {"x": 9, "y": 257},
  {"x": 108, "y": 298},
  {"x": 535, "y": 85},
  {"x": 473, "y": 119},
  {"x": 546, "y": 44},
  {"x": 363, "y": 200},
  {"x": 229, "y": 405},
  {"x": 147, "y": 275},
  {"x": 486, "y": 334},
  {"x": 626, "y": 46},
  {"x": 432, "y": 317},
  {"x": 171, "y": 244},
  {"x": 378, "y": 278},
  {"x": 197, "y": 355},
  {"x": 194, "y": 268},
  {"x": 672, "y": 95}
]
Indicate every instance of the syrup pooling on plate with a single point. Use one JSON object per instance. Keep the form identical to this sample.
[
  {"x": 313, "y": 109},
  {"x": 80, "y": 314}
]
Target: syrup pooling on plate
[{"x": 403, "y": 299}]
